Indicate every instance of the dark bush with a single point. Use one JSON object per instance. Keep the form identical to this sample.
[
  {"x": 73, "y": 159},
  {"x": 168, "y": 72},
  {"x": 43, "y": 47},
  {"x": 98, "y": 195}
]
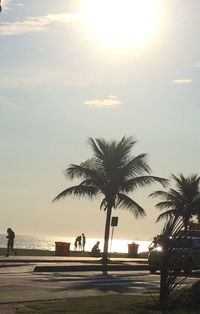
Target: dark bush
[
  {"x": 188, "y": 297},
  {"x": 195, "y": 295}
]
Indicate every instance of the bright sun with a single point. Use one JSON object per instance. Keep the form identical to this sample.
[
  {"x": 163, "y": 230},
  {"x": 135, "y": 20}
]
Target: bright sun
[{"x": 122, "y": 23}]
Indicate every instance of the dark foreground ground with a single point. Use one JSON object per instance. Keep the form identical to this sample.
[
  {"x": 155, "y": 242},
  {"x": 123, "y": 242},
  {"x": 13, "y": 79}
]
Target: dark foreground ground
[
  {"x": 80, "y": 291},
  {"x": 95, "y": 305}
]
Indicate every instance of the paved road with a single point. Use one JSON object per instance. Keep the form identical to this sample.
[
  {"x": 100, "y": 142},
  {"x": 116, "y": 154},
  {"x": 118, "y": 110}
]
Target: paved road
[
  {"x": 19, "y": 284},
  {"x": 25, "y": 285}
]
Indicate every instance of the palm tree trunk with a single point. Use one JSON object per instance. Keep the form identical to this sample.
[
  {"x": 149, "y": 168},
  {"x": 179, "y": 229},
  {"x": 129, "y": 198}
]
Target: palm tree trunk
[
  {"x": 164, "y": 285},
  {"x": 106, "y": 239}
]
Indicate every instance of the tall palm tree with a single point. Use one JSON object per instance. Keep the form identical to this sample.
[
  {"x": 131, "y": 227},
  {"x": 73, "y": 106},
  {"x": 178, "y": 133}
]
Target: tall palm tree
[
  {"x": 112, "y": 172},
  {"x": 183, "y": 201}
]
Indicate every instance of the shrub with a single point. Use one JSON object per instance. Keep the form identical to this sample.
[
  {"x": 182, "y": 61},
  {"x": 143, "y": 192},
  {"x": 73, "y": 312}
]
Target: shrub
[{"x": 194, "y": 295}]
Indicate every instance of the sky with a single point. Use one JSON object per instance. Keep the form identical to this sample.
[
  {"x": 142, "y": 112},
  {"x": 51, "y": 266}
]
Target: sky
[{"x": 73, "y": 69}]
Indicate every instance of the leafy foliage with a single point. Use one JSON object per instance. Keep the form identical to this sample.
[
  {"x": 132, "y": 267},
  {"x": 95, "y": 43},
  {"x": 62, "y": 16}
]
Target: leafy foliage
[
  {"x": 170, "y": 279},
  {"x": 183, "y": 201},
  {"x": 188, "y": 297}
]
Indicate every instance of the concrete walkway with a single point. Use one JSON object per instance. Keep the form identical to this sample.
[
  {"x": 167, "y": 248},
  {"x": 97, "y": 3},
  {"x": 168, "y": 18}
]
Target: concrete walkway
[
  {"x": 61, "y": 259},
  {"x": 68, "y": 263}
]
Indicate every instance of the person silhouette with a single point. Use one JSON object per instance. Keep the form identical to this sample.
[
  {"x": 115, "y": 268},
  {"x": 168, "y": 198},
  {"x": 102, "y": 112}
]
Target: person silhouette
[
  {"x": 83, "y": 242},
  {"x": 77, "y": 243},
  {"x": 10, "y": 244},
  {"x": 95, "y": 250}
]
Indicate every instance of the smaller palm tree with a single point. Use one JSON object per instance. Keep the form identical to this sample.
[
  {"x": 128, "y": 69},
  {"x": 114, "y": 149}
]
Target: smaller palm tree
[
  {"x": 183, "y": 201},
  {"x": 170, "y": 277}
]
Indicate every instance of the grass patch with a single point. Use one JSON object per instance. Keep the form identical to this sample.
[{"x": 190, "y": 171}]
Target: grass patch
[
  {"x": 115, "y": 304},
  {"x": 34, "y": 252},
  {"x": 28, "y": 252}
]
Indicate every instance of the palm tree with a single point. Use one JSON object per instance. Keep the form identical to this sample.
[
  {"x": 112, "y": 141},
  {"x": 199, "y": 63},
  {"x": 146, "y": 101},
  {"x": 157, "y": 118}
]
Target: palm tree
[
  {"x": 183, "y": 201},
  {"x": 112, "y": 172}
]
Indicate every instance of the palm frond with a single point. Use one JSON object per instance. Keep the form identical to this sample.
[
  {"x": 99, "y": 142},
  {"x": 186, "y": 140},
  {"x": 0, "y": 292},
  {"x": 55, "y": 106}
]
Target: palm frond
[
  {"x": 165, "y": 205},
  {"x": 78, "y": 191},
  {"x": 161, "y": 194},
  {"x": 97, "y": 151},
  {"x": 136, "y": 166},
  {"x": 79, "y": 171},
  {"x": 184, "y": 199},
  {"x": 174, "y": 194},
  {"x": 166, "y": 215},
  {"x": 103, "y": 147},
  {"x": 124, "y": 147},
  {"x": 124, "y": 201},
  {"x": 170, "y": 280},
  {"x": 104, "y": 204},
  {"x": 141, "y": 181}
]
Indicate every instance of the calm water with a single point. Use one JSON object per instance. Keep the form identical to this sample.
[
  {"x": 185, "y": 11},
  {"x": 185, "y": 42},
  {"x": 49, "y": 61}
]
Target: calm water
[{"x": 48, "y": 243}]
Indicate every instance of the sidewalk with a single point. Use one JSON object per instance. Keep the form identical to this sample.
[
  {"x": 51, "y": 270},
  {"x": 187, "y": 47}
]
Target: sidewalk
[
  {"x": 69, "y": 263},
  {"x": 68, "y": 259}
]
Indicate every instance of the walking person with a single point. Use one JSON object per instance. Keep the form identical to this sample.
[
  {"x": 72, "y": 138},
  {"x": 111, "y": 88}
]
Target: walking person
[
  {"x": 83, "y": 242},
  {"x": 10, "y": 244}
]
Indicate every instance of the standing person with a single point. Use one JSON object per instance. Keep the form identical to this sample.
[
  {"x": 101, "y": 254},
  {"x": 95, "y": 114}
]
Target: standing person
[
  {"x": 10, "y": 244},
  {"x": 77, "y": 243},
  {"x": 83, "y": 242}
]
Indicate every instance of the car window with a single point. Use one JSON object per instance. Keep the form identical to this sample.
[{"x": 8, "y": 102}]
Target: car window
[
  {"x": 196, "y": 243},
  {"x": 182, "y": 243}
]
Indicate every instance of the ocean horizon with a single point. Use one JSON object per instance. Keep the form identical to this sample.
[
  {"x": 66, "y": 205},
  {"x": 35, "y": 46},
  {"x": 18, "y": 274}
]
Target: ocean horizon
[{"x": 48, "y": 243}]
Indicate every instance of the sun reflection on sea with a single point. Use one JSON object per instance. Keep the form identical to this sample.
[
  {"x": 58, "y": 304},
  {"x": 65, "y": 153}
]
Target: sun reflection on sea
[
  {"x": 48, "y": 243},
  {"x": 119, "y": 246}
]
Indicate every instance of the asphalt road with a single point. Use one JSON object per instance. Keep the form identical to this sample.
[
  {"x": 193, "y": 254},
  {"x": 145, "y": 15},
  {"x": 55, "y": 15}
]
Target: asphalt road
[{"x": 21, "y": 284}]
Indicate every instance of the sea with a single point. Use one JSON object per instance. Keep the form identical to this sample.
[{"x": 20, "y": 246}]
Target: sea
[{"x": 48, "y": 243}]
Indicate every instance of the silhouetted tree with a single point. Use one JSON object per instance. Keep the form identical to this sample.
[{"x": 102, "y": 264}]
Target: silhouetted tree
[
  {"x": 170, "y": 277},
  {"x": 182, "y": 201},
  {"x": 112, "y": 172}
]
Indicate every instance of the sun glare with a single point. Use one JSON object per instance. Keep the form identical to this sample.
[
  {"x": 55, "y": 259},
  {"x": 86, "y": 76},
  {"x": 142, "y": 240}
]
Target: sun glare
[{"x": 122, "y": 23}]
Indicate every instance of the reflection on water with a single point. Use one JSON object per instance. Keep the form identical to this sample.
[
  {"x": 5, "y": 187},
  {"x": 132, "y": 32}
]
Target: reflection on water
[{"x": 48, "y": 243}]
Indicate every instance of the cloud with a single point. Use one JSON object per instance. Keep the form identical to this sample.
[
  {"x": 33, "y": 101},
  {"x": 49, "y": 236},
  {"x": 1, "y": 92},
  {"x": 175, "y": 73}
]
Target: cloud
[
  {"x": 109, "y": 102},
  {"x": 5, "y": 4},
  {"x": 31, "y": 77},
  {"x": 10, "y": 5},
  {"x": 197, "y": 65},
  {"x": 182, "y": 81},
  {"x": 36, "y": 24},
  {"x": 9, "y": 103},
  {"x": 19, "y": 4}
]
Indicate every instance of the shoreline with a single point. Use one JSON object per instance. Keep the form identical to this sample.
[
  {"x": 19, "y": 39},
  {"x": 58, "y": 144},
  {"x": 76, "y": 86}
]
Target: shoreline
[
  {"x": 49, "y": 243},
  {"x": 72, "y": 253}
]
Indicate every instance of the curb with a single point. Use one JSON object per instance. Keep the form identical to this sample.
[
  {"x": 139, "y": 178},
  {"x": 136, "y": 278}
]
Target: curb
[{"x": 74, "y": 268}]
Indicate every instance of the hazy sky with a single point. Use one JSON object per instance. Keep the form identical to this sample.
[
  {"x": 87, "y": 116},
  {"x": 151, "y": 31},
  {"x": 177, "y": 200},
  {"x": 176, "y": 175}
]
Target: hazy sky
[{"x": 65, "y": 75}]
